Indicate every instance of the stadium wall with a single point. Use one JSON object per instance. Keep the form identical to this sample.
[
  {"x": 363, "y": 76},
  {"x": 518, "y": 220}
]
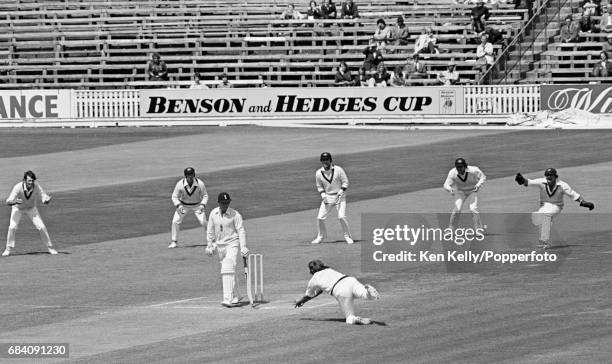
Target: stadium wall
[{"x": 409, "y": 105}]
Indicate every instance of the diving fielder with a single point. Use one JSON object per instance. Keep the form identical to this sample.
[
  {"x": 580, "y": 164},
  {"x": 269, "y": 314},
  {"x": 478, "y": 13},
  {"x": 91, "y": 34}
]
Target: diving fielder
[
  {"x": 342, "y": 287},
  {"x": 462, "y": 182},
  {"x": 189, "y": 196},
  {"x": 225, "y": 235},
  {"x": 552, "y": 191},
  {"x": 331, "y": 182},
  {"x": 23, "y": 199}
]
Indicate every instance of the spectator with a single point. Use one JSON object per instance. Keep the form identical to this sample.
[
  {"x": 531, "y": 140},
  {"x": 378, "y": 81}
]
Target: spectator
[
  {"x": 401, "y": 35},
  {"x": 605, "y": 22},
  {"x": 426, "y": 43},
  {"x": 197, "y": 82},
  {"x": 372, "y": 57},
  {"x": 262, "y": 82},
  {"x": 450, "y": 76},
  {"x": 590, "y": 8},
  {"x": 603, "y": 68},
  {"x": 382, "y": 34},
  {"x": 328, "y": 10},
  {"x": 349, "y": 10},
  {"x": 157, "y": 69},
  {"x": 224, "y": 82},
  {"x": 397, "y": 77},
  {"x": 484, "y": 54},
  {"x": 290, "y": 13},
  {"x": 495, "y": 36},
  {"x": 313, "y": 11},
  {"x": 569, "y": 31},
  {"x": 344, "y": 76},
  {"x": 381, "y": 78},
  {"x": 586, "y": 24},
  {"x": 364, "y": 79},
  {"x": 607, "y": 47},
  {"x": 416, "y": 69},
  {"x": 479, "y": 15}
]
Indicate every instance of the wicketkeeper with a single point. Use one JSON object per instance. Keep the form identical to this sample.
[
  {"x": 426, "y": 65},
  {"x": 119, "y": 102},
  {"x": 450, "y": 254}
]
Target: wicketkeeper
[
  {"x": 342, "y": 287},
  {"x": 552, "y": 191}
]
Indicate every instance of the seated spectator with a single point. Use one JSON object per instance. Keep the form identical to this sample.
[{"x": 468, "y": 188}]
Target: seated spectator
[
  {"x": 416, "y": 68},
  {"x": 197, "y": 82},
  {"x": 349, "y": 10},
  {"x": 586, "y": 24},
  {"x": 569, "y": 30},
  {"x": 365, "y": 80},
  {"x": 426, "y": 43},
  {"x": 224, "y": 82},
  {"x": 479, "y": 15},
  {"x": 290, "y": 13},
  {"x": 495, "y": 36},
  {"x": 372, "y": 57},
  {"x": 450, "y": 76},
  {"x": 607, "y": 47},
  {"x": 313, "y": 11},
  {"x": 157, "y": 69},
  {"x": 605, "y": 22},
  {"x": 262, "y": 82},
  {"x": 603, "y": 68},
  {"x": 400, "y": 34},
  {"x": 484, "y": 54},
  {"x": 382, "y": 34},
  {"x": 328, "y": 10},
  {"x": 590, "y": 8},
  {"x": 344, "y": 76},
  {"x": 397, "y": 77},
  {"x": 381, "y": 77}
]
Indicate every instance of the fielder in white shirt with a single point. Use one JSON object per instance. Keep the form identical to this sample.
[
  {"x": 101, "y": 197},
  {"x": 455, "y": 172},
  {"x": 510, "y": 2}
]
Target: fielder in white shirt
[
  {"x": 23, "y": 199},
  {"x": 342, "y": 287},
  {"x": 331, "y": 182},
  {"x": 189, "y": 195},
  {"x": 462, "y": 182},
  {"x": 552, "y": 192},
  {"x": 226, "y": 234}
]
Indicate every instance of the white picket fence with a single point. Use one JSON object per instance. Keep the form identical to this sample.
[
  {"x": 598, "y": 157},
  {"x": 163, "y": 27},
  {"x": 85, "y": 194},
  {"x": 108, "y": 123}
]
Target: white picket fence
[
  {"x": 492, "y": 100},
  {"x": 497, "y": 100}
]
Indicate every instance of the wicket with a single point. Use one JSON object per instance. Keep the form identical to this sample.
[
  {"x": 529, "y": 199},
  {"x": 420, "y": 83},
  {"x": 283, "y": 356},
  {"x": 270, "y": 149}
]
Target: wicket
[{"x": 255, "y": 277}]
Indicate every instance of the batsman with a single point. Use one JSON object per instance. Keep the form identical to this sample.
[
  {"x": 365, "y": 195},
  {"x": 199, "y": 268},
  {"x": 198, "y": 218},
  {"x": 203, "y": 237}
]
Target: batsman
[{"x": 552, "y": 191}]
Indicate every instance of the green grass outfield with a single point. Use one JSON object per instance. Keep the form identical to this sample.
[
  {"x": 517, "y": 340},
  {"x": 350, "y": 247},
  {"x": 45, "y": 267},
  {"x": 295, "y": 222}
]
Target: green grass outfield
[{"x": 117, "y": 294}]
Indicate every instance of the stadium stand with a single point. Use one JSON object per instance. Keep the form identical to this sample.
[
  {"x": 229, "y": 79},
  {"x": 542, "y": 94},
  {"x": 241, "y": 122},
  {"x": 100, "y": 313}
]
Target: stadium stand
[{"x": 108, "y": 43}]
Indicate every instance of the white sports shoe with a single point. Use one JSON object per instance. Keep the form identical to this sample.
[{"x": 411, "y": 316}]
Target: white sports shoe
[
  {"x": 172, "y": 245},
  {"x": 543, "y": 245},
  {"x": 235, "y": 301},
  {"x": 362, "y": 320},
  {"x": 6, "y": 252},
  {"x": 372, "y": 292},
  {"x": 317, "y": 240},
  {"x": 228, "y": 304},
  {"x": 348, "y": 240},
  {"x": 52, "y": 251}
]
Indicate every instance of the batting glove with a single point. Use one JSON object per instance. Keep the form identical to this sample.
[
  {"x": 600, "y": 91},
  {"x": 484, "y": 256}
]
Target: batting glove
[
  {"x": 181, "y": 209},
  {"x": 47, "y": 200},
  {"x": 476, "y": 188},
  {"x": 323, "y": 196},
  {"x": 244, "y": 251},
  {"x": 210, "y": 249}
]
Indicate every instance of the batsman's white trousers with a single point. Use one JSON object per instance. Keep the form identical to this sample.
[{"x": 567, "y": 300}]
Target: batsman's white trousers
[
  {"x": 345, "y": 293},
  {"x": 199, "y": 213},
  {"x": 543, "y": 218},
  {"x": 33, "y": 214},
  {"x": 326, "y": 206},
  {"x": 460, "y": 198}
]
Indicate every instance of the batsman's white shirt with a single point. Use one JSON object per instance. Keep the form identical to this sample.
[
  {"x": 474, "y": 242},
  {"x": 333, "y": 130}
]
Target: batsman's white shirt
[
  {"x": 195, "y": 194},
  {"x": 323, "y": 280},
  {"x": 29, "y": 198},
  {"x": 473, "y": 177},
  {"x": 226, "y": 229},
  {"x": 331, "y": 182},
  {"x": 553, "y": 195}
]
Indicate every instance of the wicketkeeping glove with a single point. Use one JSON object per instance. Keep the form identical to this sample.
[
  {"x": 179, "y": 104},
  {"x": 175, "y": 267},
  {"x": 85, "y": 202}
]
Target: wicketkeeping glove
[
  {"x": 519, "y": 179},
  {"x": 587, "y": 204}
]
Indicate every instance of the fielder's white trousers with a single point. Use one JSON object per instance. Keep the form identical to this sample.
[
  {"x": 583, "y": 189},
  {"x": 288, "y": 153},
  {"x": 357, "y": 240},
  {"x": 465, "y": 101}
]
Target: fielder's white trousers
[
  {"x": 326, "y": 206},
  {"x": 228, "y": 255},
  {"x": 460, "y": 198},
  {"x": 543, "y": 218},
  {"x": 33, "y": 214},
  {"x": 199, "y": 213},
  {"x": 345, "y": 293}
]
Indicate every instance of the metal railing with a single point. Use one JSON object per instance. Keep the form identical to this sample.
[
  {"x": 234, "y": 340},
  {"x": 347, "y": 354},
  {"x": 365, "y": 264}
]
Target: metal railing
[{"x": 528, "y": 32}]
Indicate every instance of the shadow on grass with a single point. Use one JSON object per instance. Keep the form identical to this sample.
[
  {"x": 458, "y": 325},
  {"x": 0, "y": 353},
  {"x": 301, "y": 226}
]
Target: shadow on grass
[{"x": 379, "y": 323}]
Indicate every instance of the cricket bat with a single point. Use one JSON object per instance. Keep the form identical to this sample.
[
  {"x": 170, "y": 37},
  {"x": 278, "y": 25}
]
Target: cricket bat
[{"x": 249, "y": 289}]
